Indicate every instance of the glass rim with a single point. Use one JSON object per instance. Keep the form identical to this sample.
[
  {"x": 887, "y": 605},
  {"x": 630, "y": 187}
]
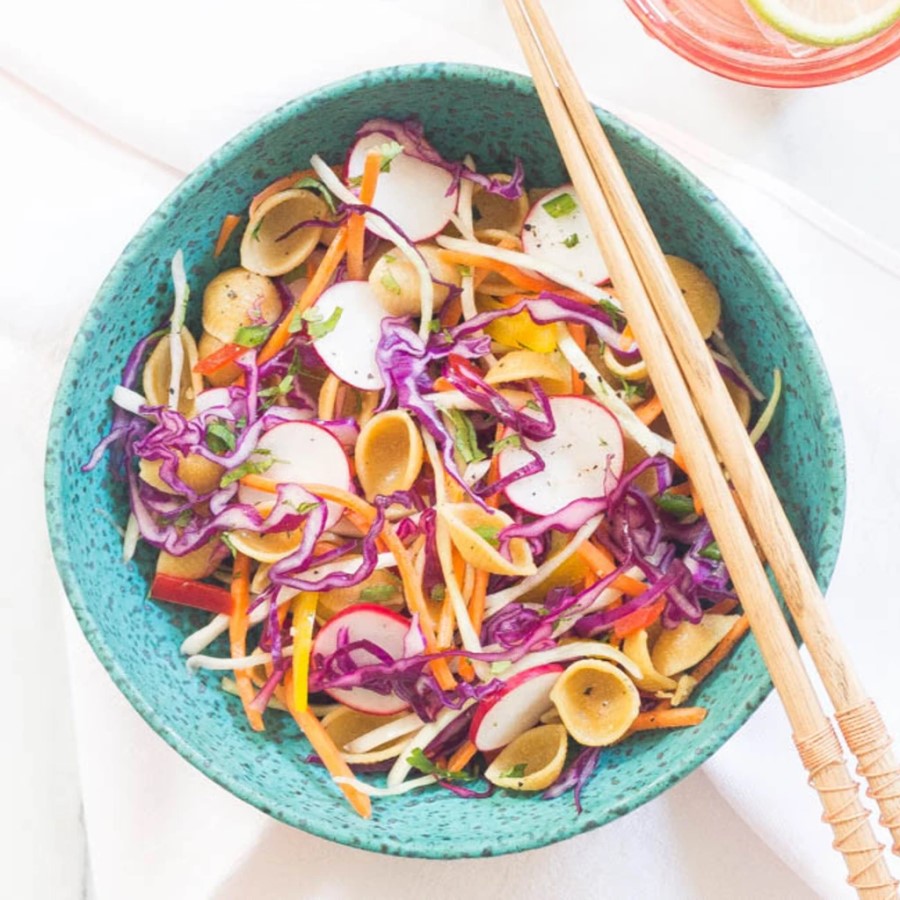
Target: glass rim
[{"x": 768, "y": 71}]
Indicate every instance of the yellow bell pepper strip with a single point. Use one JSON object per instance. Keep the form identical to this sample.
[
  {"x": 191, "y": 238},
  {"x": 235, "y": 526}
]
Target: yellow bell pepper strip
[{"x": 304, "y": 619}]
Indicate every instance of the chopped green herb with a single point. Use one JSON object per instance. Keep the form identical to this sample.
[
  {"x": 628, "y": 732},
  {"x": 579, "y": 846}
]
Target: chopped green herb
[
  {"x": 434, "y": 326},
  {"x": 464, "y": 437},
  {"x": 251, "y": 467},
  {"x": 711, "y": 551},
  {"x": 183, "y": 518},
  {"x": 511, "y": 440},
  {"x": 533, "y": 405},
  {"x": 571, "y": 240},
  {"x": 300, "y": 272},
  {"x": 251, "y": 335},
  {"x": 219, "y": 438},
  {"x": 310, "y": 183},
  {"x": 226, "y": 540},
  {"x": 377, "y": 593},
  {"x": 389, "y": 152},
  {"x": 489, "y": 533},
  {"x": 438, "y": 592},
  {"x": 389, "y": 282},
  {"x": 465, "y": 271},
  {"x": 517, "y": 771},
  {"x": 255, "y": 233},
  {"x": 280, "y": 389},
  {"x": 304, "y": 508},
  {"x": 677, "y": 505},
  {"x": 318, "y": 328},
  {"x": 561, "y": 205},
  {"x": 355, "y": 181},
  {"x": 418, "y": 760},
  {"x": 633, "y": 389},
  {"x": 296, "y": 323},
  {"x": 498, "y": 668}
]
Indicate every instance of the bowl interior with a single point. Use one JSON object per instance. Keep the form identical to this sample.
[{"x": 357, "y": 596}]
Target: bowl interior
[{"x": 496, "y": 116}]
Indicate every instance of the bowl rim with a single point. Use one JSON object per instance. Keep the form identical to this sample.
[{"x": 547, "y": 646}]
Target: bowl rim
[{"x": 54, "y": 475}]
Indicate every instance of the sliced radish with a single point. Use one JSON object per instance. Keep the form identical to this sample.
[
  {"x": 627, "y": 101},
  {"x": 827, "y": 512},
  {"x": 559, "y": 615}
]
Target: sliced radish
[
  {"x": 583, "y": 458},
  {"x": 304, "y": 453},
  {"x": 556, "y": 230},
  {"x": 417, "y": 196},
  {"x": 365, "y": 622},
  {"x": 348, "y": 349},
  {"x": 513, "y": 710},
  {"x": 212, "y": 398}
]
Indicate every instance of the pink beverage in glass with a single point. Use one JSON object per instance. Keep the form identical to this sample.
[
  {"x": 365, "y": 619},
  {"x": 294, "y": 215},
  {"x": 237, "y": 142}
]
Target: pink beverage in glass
[{"x": 724, "y": 37}]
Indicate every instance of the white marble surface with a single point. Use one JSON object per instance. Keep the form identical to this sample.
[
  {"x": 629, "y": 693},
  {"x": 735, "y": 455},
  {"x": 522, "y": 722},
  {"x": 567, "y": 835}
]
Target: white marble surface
[{"x": 100, "y": 107}]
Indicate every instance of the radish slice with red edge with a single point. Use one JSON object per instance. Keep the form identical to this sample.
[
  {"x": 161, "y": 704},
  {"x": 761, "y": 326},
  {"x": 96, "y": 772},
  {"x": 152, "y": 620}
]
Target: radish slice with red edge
[
  {"x": 365, "y": 622},
  {"x": 348, "y": 346},
  {"x": 583, "y": 458},
  {"x": 303, "y": 453},
  {"x": 514, "y": 709},
  {"x": 416, "y": 196},
  {"x": 556, "y": 230}
]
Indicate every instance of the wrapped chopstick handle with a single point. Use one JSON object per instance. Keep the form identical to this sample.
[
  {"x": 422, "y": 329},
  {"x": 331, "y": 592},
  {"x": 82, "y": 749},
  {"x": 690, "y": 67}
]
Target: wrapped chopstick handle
[
  {"x": 853, "y": 836},
  {"x": 868, "y": 740}
]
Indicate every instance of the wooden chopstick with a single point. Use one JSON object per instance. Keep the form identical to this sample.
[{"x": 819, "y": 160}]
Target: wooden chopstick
[
  {"x": 814, "y": 735},
  {"x": 856, "y": 714}
]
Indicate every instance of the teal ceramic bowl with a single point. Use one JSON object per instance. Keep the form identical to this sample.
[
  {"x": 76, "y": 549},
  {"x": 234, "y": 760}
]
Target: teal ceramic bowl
[{"x": 496, "y": 116}]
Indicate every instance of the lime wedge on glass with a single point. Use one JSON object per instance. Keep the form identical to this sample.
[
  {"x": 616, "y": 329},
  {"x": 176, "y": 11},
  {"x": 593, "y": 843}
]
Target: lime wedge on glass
[{"x": 827, "y": 22}]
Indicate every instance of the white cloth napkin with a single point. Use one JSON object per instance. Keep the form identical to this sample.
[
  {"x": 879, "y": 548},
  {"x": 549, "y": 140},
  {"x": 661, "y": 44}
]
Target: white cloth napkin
[{"x": 154, "y": 826}]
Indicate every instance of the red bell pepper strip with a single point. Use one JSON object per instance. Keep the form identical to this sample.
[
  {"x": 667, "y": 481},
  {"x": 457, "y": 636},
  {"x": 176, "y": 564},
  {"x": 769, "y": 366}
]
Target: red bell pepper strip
[{"x": 196, "y": 594}]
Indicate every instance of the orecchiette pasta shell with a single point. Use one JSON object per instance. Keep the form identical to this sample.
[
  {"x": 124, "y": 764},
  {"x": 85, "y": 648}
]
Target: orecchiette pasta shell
[
  {"x": 395, "y": 281},
  {"x": 158, "y": 373},
  {"x": 636, "y": 649},
  {"x": 474, "y": 532},
  {"x": 266, "y": 548},
  {"x": 550, "y": 370},
  {"x": 237, "y": 298},
  {"x": 493, "y": 211},
  {"x": 679, "y": 648},
  {"x": 388, "y": 453},
  {"x": 194, "y": 565},
  {"x": 700, "y": 294},
  {"x": 381, "y": 587},
  {"x": 345, "y": 725},
  {"x": 531, "y": 762},
  {"x": 596, "y": 701},
  {"x": 270, "y": 245},
  {"x": 197, "y": 472}
]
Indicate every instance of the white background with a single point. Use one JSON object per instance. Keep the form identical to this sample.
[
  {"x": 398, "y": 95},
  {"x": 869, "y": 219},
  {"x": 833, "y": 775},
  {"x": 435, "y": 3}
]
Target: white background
[{"x": 101, "y": 106}]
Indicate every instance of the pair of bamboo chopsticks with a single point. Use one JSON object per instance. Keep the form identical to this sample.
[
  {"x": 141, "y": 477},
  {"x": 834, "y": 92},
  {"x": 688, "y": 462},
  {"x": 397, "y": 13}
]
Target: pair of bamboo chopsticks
[{"x": 684, "y": 374}]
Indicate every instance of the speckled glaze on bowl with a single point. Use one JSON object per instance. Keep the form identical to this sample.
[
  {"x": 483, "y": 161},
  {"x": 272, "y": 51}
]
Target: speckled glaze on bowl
[{"x": 495, "y": 115}]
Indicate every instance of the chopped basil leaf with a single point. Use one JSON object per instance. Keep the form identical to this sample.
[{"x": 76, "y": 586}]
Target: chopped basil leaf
[
  {"x": 304, "y": 508},
  {"x": 389, "y": 282},
  {"x": 438, "y": 592},
  {"x": 517, "y": 771},
  {"x": 355, "y": 181},
  {"x": 511, "y": 440},
  {"x": 711, "y": 551},
  {"x": 183, "y": 518},
  {"x": 633, "y": 389},
  {"x": 219, "y": 438},
  {"x": 251, "y": 335},
  {"x": 251, "y": 467},
  {"x": 418, "y": 760},
  {"x": 677, "y": 505},
  {"x": 489, "y": 533},
  {"x": 318, "y": 328},
  {"x": 255, "y": 233},
  {"x": 377, "y": 593},
  {"x": 561, "y": 205},
  {"x": 533, "y": 405},
  {"x": 280, "y": 389},
  {"x": 314, "y": 184},
  {"x": 464, "y": 437},
  {"x": 434, "y": 326},
  {"x": 571, "y": 240},
  {"x": 296, "y": 323},
  {"x": 226, "y": 540}
]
